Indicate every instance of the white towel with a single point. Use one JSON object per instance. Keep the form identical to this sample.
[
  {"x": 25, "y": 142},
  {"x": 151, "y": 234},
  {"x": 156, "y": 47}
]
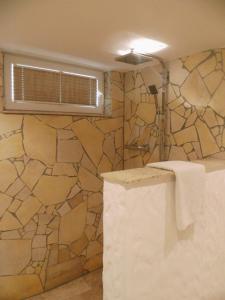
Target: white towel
[{"x": 189, "y": 189}]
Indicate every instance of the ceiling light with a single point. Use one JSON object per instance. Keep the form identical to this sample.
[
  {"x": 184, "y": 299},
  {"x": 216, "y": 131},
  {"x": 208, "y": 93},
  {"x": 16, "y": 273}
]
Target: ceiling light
[{"x": 144, "y": 45}]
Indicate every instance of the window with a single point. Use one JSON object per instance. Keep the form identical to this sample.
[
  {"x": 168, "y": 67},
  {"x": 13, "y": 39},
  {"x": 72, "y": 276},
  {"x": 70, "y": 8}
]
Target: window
[{"x": 32, "y": 85}]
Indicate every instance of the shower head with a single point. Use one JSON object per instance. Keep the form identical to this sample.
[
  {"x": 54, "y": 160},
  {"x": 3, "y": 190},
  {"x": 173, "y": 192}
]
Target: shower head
[
  {"x": 153, "y": 89},
  {"x": 134, "y": 58}
]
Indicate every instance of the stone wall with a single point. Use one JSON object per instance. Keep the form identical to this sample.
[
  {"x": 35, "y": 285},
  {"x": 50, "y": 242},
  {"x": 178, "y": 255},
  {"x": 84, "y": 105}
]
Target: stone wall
[
  {"x": 140, "y": 117},
  {"x": 51, "y": 193},
  {"x": 196, "y": 108},
  {"x": 195, "y": 111}
]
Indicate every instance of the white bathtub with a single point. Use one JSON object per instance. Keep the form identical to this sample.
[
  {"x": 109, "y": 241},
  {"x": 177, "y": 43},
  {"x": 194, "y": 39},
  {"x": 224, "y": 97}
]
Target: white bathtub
[{"x": 145, "y": 258}]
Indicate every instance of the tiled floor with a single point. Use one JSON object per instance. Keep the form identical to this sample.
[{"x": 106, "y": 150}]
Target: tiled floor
[{"x": 88, "y": 287}]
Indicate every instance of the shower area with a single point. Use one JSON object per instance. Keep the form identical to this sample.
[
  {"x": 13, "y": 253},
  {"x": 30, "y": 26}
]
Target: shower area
[{"x": 145, "y": 97}]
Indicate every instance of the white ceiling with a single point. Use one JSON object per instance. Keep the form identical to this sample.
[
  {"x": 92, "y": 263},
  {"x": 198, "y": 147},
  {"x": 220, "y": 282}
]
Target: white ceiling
[{"x": 90, "y": 32}]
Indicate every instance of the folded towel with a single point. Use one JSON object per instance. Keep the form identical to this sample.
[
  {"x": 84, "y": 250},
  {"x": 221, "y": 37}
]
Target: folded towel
[{"x": 189, "y": 189}]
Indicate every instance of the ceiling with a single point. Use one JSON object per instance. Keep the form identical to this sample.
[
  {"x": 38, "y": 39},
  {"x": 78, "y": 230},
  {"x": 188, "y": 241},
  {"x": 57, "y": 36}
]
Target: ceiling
[{"x": 90, "y": 32}]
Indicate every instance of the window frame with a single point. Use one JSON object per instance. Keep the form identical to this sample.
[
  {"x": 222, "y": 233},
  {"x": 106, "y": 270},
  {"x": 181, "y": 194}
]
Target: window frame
[{"x": 49, "y": 108}]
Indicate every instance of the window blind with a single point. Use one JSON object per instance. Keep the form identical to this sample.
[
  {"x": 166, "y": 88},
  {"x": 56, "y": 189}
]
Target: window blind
[{"x": 49, "y": 86}]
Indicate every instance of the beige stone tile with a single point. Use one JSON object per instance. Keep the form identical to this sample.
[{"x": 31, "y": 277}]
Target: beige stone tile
[
  {"x": 177, "y": 72},
  {"x": 53, "y": 189},
  {"x": 23, "y": 286},
  {"x": 39, "y": 140},
  {"x": 65, "y": 134},
  {"x": 78, "y": 246},
  {"x": 105, "y": 165},
  {"x": 5, "y": 202},
  {"x": 146, "y": 112},
  {"x": 19, "y": 166},
  {"x": 10, "y": 123},
  {"x": 191, "y": 119},
  {"x": 94, "y": 200},
  {"x": 93, "y": 249},
  {"x": 11, "y": 146},
  {"x": 72, "y": 224},
  {"x": 87, "y": 164},
  {"x": 186, "y": 135},
  {"x": 64, "y": 209},
  {"x": 33, "y": 171},
  {"x": 194, "y": 60},
  {"x": 28, "y": 209},
  {"x": 210, "y": 118},
  {"x": 64, "y": 272},
  {"x": 56, "y": 121},
  {"x": 195, "y": 91},
  {"x": 14, "y": 256},
  {"x": 10, "y": 235},
  {"x": 39, "y": 241},
  {"x": 217, "y": 102},
  {"x": 108, "y": 125},
  {"x": 15, "y": 205},
  {"x": 207, "y": 141},
  {"x": 15, "y": 188},
  {"x": 207, "y": 67},
  {"x": 9, "y": 222},
  {"x": 177, "y": 153},
  {"x": 213, "y": 80},
  {"x": 94, "y": 263},
  {"x": 64, "y": 169},
  {"x": 38, "y": 254},
  {"x": 69, "y": 151},
  {"x": 223, "y": 56},
  {"x": 53, "y": 237},
  {"x": 90, "y": 138},
  {"x": 88, "y": 181},
  {"x": 177, "y": 121}
]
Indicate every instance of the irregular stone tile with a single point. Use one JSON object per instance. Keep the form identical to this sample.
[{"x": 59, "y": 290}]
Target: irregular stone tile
[
  {"x": 109, "y": 148},
  {"x": 180, "y": 110},
  {"x": 64, "y": 169},
  {"x": 64, "y": 209},
  {"x": 210, "y": 117},
  {"x": 28, "y": 209},
  {"x": 207, "y": 67},
  {"x": 24, "y": 194},
  {"x": 175, "y": 103},
  {"x": 100, "y": 226},
  {"x": 39, "y": 140},
  {"x": 39, "y": 241},
  {"x": 15, "y": 205},
  {"x": 5, "y": 202},
  {"x": 108, "y": 125},
  {"x": 192, "y": 156},
  {"x": 178, "y": 73},
  {"x": 93, "y": 263},
  {"x": 60, "y": 273},
  {"x": 90, "y": 232},
  {"x": 14, "y": 256},
  {"x": 188, "y": 147},
  {"x": 74, "y": 191},
  {"x": 186, "y": 135},
  {"x": 207, "y": 141},
  {"x": 95, "y": 200},
  {"x": 91, "y": 218},
  {"x": 33, "y": 171},
  {"x": 15, "y": 188},
  {"x": 24, "y": 286},
  {"x": 78, "y": 246},
  {"x": 223, "y": 138},
  {"x": 177, "y": 121},
  {"x": 56, "y": 121},
  {"x": 64, "y": 254},
  {"x": 10, "y": 235},
  {"x": 119, "y": 138},
  {"x": 53, "y": 189},
  {"x": 177, "y": 153},
  {"x": 87, "y": 164},
  {"x": 76, "y": 200},
  {"x": 88, "y": 181},
  {"x": 38, "y": 254},
  {"x": 93, "y": 249},
  {"x": 69, "y": 151},
  {"x": 194, "y": 90},
  {"x": 90, "y": 138},
  {"x": 9, "y": 222},
  {"x": 64, "y": 134},
  {"x": 11, "y": 146},
  {"x": 10, "y": 122},
  {"x": 53, "y": 237},
  {"x": 19, "y": 166},
  {"x": 213, "y": 80},
  {"x": 146, "y": 112},
  {"x": 194, "y": 60},
  {"x": 135, "y": 162},
  {"x": 191, "y": 119},
  {"x": 217, "y": 102},
  {"x": 105, "y": 165},
  {"x": 72, "y": 224}
]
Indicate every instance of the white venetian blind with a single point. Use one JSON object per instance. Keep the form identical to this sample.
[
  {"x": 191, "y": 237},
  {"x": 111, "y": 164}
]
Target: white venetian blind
[{"x": 50, "y": 86}]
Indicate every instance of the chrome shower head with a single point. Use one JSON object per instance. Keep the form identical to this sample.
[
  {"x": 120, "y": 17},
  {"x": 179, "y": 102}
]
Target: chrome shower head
[{"x": 134, "y": 58}]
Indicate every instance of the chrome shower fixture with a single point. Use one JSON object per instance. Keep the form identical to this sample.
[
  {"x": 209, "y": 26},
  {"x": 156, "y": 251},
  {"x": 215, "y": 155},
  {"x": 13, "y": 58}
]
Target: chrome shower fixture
[{"x": 133, "y": 58}]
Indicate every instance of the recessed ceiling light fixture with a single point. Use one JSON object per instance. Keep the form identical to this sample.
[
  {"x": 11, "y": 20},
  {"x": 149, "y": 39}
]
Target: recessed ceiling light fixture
[{"x": 144, "y": 45}]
